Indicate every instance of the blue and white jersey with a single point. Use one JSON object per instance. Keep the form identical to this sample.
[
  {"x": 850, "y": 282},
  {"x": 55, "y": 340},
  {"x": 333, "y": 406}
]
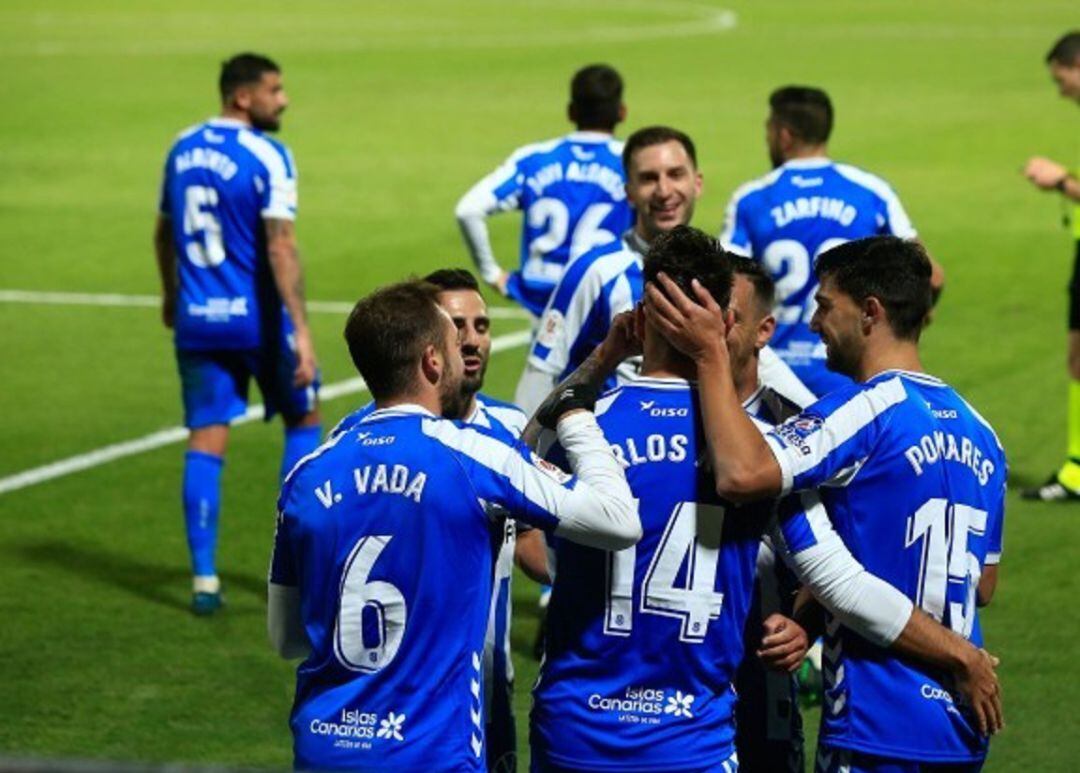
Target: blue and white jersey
[
  {"x": 642, "y": 644},
  {"x": 385, "y": 530},
  {"x": 789, "y": 217},
  {"x": 572, "y": 193},
  {"x": 595, "y": 288},
  {"x": 508, "y": 422},
  {"x": 222, "y": 179},
  {"x": 914, "y": 482}
]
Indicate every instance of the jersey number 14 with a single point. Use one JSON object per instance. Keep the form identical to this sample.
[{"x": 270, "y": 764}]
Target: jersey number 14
[{"x": 691, "y": 537}]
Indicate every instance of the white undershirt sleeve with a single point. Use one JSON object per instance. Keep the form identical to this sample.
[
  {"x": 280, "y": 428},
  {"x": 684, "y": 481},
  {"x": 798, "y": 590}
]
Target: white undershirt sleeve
[
  {"x": 283, "y": 621},
  {"x": 866, "y": 604}
]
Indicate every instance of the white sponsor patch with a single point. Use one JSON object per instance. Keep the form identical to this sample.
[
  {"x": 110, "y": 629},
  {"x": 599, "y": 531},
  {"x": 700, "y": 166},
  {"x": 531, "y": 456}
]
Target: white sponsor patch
[{"x": 551, "y": 328}]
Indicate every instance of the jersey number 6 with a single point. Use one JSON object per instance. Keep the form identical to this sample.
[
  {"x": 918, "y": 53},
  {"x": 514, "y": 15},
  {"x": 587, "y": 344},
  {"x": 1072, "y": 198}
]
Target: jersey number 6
[{"x": 371, "y": 617}]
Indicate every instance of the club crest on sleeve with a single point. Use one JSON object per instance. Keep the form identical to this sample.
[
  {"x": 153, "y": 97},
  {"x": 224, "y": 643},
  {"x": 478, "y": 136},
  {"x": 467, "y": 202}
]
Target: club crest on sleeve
[
  {"x": 551, "y": 328},
  {"x": 797, "y": 429},
  {"x": 551, "y": 470}
]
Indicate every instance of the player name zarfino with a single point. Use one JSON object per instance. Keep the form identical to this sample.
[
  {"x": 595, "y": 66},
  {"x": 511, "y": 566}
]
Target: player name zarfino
[
  {"x": 598, "y": 174},
  {"x": 378, "y": 479},
  {"x": 943, "y": 446},
  {"x": 814, "y": 206}
]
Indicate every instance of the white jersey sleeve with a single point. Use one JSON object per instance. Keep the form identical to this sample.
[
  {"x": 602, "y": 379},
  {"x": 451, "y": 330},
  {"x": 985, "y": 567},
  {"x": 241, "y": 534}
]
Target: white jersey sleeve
[{"x": 499, "y": 191}]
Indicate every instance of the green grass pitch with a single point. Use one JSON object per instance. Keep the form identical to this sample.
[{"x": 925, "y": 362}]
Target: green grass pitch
[{"x": 396, "y": 109}]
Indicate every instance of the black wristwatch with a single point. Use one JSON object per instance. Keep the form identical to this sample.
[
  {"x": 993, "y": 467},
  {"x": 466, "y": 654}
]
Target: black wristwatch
[{"x": 568, "y": 398}]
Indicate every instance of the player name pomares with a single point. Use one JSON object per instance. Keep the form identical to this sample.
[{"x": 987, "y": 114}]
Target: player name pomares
[
  {"x": 943, "y": 446},
  {"x": 378, "y": 479}
]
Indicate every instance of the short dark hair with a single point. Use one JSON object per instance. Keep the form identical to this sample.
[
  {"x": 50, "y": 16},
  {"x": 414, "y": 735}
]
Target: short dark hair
[
  {"x": 684, "y": 253},
  {"x": 596, "y": 96},
  {"x": 806, "y": 111},
  {"x": 764, "y": 286},
  {"x": 656, "y": 135},
  {"x": 388, "y": 330},
  {"x": 1066, "y": 50},
  {"x": 242, "y": 70},
  {"x": 453, "y": 279},
  {"x": 895, "y": 271}
]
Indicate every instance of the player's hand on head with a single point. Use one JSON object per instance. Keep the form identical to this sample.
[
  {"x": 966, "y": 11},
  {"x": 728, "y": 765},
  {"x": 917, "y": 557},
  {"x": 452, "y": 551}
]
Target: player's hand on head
[
  {"x": 696, "y": 327},
  {"x": 978, "y": 685},
  {"x": 1044, "y": 173},
  {"x": 306, "y": 366},
  {"x": 783, "y": 644},
  {"x": 622, "y": 341}
]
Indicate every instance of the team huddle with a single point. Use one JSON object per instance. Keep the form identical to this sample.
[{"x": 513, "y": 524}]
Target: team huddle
[{"x": 719, "y": 451}]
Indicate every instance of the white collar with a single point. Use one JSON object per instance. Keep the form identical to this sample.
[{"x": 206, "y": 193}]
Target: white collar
[
  {"x": 590, "y": 136},
  {"x": 815, "y": 162},
  {"x": 402, "y": 409}
]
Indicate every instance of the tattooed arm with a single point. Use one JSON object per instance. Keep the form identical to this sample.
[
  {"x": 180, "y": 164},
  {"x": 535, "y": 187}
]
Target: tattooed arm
[{"x": 289, "y": 277}]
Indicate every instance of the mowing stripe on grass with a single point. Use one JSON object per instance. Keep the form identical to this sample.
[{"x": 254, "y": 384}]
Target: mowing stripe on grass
[
  {"x": 154, "y": 301},
  {"x": 109, "y": 453}
]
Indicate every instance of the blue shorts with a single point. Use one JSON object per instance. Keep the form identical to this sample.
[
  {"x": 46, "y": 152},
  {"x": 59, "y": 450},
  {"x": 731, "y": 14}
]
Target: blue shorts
[
  {"x": 832, "y": 760},
  {"x": 214, "y": 385}
]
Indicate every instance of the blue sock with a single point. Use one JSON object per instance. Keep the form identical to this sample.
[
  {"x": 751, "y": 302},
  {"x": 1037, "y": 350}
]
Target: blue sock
[
  {"x": 202, "y": 500},
  {"x": 299, "y": 442}
]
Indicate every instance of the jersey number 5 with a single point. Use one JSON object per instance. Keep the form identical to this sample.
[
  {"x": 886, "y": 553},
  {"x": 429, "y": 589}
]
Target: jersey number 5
[
  {"x": 691, "y": 537},
  {"x": 202, "y": 227},
  {"x": 371, "y": 615}
]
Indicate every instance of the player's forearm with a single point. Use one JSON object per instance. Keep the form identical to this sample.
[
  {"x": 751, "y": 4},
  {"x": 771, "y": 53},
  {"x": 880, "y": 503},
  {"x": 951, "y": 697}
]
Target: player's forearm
[
  {"x": 596, "y": 369},
  {"x": 471, "y": 216},
  {"x": 284, "y": 624},
  {"x": 284, "y": 258},
  {"x": 744, "y": 467},
  {"x": 600, "y": 511},
  {"x": 862, "y": 602},
  {"x": 165, "y": 253},
  {"x": 928, "y": 641},
  {"x": 531, "y": 555}
]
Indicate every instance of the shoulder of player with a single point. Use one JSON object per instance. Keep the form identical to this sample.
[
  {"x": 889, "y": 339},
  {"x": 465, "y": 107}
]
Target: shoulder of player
[
  {"x": 535, "y": 150},
  {"x": 350, "y": 420},
  {"x": 747, "y": 189},
  {"x": 864, "y": 179},
  {"x": 306, "y": 465},
  {"x": 507, "y": 414},
  {"x": 272, "y": 154},
  {"x": 591, "y": 270}
]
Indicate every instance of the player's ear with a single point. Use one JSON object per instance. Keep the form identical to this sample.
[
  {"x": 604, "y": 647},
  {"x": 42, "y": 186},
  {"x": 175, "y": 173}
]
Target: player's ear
[
  {"x": 622, "y": 113},
  {"x": 765, "y": 329},
  {"x": 431, "y": 364},
  {"x": 571, "y": 113},
  {"x": 873, "y": 312}
]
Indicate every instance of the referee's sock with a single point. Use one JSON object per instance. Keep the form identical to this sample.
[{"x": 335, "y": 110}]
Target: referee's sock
[
  {"x": 299, "y": 442},
  {"x": 1069, "y": 474},
  {"x": 202, "y": 501}
]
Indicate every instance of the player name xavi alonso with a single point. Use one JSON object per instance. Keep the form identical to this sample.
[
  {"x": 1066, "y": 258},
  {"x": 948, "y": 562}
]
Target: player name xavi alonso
[
  {"x": 943, "y": 446},
  {"x": 377, "y": 479}
]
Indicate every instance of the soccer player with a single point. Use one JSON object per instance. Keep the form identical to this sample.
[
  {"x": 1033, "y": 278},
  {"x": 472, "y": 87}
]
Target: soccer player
[
  {"x": 569, "y": 189},
  {"x": 663, "y": 184},
  {"x": 233, "y": 292},
  {"x": 1064, "y": 63},
  {"x": 805, "y": 206},
  {"x": 769, "y": 735},
  {"x": 382, "y": 565},
  {"x": 912, "y": 477},
  {"x": 459, "y": 295},
  {"x": 641, "y": 651}
]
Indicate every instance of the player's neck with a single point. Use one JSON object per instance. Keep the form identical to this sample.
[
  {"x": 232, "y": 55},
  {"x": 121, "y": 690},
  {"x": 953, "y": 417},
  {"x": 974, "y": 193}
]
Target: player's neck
[
  {"x": 891, "y": 355},
  {"x": 659, "y": 360},
  {"x": 746, "y": 381},
  {"x": 807, "y": 151},
  {"x": 427, "y": 400},
  {"x": 235, "y": 114}
]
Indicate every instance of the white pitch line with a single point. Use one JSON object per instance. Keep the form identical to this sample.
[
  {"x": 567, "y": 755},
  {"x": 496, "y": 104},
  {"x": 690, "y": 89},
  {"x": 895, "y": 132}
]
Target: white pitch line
[
  {"x": 109, "y": 453},
  {"x": 154, "y": 301}
]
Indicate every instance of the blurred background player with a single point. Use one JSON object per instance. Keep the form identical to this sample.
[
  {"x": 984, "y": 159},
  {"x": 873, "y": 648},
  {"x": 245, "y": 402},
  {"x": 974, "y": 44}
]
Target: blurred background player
[
  {"x": 569, "y": 190},
  {"x": 1064, "y": 63},
  {"x": 382, "y": 565},
  {"x": 459, "y": 295},
  {"x": 662, "y": 184},
  {"x": 914, "y": 480},
  {"x": 807, "y": 205},
  {"x": 233, "y": 292}
]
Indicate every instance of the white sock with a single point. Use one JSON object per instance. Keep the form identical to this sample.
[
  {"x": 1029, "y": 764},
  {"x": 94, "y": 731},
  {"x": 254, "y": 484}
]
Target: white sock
[{"x": 206, "y": 583}]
